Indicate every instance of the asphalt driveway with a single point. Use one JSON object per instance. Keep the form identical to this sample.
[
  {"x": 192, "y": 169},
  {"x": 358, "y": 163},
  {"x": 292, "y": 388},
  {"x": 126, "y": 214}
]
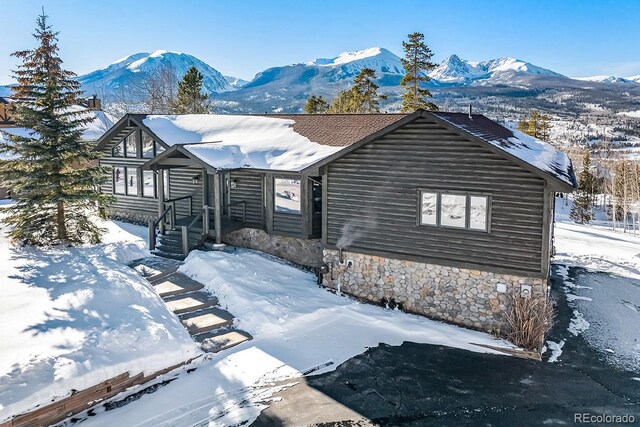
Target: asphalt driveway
[{"x": 418, "y": 384}]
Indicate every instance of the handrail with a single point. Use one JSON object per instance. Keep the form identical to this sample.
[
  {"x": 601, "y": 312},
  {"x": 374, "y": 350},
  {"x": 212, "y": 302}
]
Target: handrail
[
  {"x": 196, "y": 219},
  {"x": 185, "y": 232},
  {"x": 178, "y": 198},
  {"x": 154, "y": 223}
]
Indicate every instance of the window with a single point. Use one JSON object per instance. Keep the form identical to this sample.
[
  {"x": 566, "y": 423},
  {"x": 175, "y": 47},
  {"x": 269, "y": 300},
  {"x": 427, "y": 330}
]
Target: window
[
  {"x": 148, "y": 146},
  {"x": 132, "y": 181},
  {"x": 131, "y": 145},
  {"x": 453, "y": 210},
  {"x": 148, "y": 184},
  {"x": 464, "y": 211},
  {"x": 478, "y": 212},
  {"x": 118, "y": 180},
  {"x": 429, "y": 209},
  {"x": 287, "y": 195},
  {"x": 118, "y": 150}
]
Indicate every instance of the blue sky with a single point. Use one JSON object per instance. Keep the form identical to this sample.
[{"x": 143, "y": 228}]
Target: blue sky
[{"x": 240, "y": 38}]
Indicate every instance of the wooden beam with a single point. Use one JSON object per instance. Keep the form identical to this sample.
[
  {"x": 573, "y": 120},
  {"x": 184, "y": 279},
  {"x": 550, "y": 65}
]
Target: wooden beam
[
  {"x": 325, "y": 205},
  {"x": 217, "y": 189},
  {"x": 160, "y": 190}
]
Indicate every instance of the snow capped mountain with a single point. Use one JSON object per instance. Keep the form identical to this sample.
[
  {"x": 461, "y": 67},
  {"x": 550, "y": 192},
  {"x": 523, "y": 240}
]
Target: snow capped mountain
[
  {"x": 124, "y": 73},
  {"x": 634, "y": 78},
  {"x": 608, "y": 79},
  {"x": 236, "y": 82},
  {"x": 500, "y": 70},
  {"x": 377, "y": 58}
]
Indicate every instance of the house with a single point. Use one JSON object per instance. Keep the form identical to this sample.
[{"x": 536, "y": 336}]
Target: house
[
  {"x": 444, "y": 214},
  {"x": 92, "y": 131}
]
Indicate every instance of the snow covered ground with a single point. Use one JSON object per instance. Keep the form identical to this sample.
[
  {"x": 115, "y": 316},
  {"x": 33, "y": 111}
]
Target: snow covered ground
[
  {"x": 606, "y": 300},
  {"x": 74, "y": 317},
  {"x": 297, "y": 327}
]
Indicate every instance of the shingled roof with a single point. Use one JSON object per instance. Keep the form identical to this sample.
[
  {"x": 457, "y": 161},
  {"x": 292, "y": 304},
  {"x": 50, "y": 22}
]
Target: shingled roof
[{"x": 339, "y": 130}]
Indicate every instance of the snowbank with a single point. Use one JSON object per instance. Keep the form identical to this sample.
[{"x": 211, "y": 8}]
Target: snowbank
[
  {"x": 73, "y": 317},
  {"x": 234, "y": 141},
  {"x": 297, "y": 327}
]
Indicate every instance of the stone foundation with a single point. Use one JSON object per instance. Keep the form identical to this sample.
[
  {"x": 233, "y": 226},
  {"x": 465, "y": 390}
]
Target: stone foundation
[
  {"x": 299, "y": 251},
  {"x": 472, "y": 298},
  {"x": 134, "y": 218}
]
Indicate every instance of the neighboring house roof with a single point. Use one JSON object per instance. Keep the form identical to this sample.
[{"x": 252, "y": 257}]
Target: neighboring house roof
[{"x": 100, "y": 124}]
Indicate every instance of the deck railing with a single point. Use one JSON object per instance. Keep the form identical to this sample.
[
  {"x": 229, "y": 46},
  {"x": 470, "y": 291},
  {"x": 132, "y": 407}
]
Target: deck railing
[{"x": 159, "y": 223}]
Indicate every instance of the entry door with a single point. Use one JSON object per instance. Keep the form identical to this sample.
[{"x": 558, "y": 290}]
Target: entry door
[{"x": 225, "y": 181}]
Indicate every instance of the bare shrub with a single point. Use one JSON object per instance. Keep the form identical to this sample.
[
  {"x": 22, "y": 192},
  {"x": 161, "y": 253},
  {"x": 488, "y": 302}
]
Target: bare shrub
[{"x": 529, "y": 319}]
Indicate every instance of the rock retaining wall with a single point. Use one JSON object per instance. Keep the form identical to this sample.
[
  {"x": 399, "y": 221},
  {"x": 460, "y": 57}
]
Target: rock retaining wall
[
  {"x": 299, "y": 251},
  {"x": 472, "y": 298}
]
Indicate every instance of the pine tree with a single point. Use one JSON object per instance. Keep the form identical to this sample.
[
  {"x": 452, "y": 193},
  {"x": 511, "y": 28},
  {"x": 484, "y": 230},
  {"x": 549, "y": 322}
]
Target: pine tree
[
  {"x": 537, "y": 125},
  {"x": 362, "y": 97},
  {"x": 417, "y": 63},
  {"x": 582, "y": 209},
  {"x": 365, "y": 91},
  {"x": 53, "y": 176},
  {"x": 190, "y": 99},
  {"x": 316, "y": 105}
]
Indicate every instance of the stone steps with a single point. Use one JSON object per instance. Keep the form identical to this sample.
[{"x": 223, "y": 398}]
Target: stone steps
[
  {"x": 214, "y": 342},
  {"x": 206, "y": 320},
  {"x": 175, "y": 284},
  {"x": 189, "y": 302}
]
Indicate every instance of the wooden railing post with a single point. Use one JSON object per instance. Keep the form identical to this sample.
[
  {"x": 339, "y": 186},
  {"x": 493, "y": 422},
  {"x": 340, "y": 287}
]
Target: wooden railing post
[
  {"x": 185, "y": 240},
  {"x": 172, "y": 216},
  {"x": 152, "y": 235},
  {"x": 205, "y": 220}
]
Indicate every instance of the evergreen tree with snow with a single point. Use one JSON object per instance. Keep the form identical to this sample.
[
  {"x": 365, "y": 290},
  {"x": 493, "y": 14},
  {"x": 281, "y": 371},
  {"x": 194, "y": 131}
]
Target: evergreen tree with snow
[
  {"x": 190, "y": 98},
  {"x": 417, "y": 64},
  {"x": 582, "y": 209},
  {"x": 52, "y": 174},
  {"x": 316, "y": 105}
]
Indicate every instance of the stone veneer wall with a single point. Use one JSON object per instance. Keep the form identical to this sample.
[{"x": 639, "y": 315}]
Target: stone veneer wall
[
  {"x": 472, "y": 298},
  {"x": 134, "y": 218},
  {"x": 307, "y": 252}
]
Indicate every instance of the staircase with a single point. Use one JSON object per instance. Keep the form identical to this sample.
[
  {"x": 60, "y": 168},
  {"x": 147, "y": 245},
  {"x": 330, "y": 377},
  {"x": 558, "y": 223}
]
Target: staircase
[
  {"x": 198, "y": 310},
  {"x": 169, "y": 245}
]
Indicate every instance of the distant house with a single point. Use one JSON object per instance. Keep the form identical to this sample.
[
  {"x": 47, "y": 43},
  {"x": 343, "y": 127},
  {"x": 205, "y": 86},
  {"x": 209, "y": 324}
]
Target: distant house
[
  {"x": 441, "y": 213},
  {"x": 92, "y": 131}
]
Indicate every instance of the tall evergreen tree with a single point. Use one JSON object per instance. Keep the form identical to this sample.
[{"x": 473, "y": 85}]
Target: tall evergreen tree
[
  {"x": 316, "y": 105},
  {"x": 362, "y": 97},
  {"x": 366, "y": 91},
  {"x": 582, "y": 209},
  {"x": 53, "y": 173},
  {"x": 190, "y": 99},
  {"x": 417, "y": 63}
]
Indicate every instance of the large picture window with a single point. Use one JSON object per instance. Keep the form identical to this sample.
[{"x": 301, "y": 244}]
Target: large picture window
[
  {"x": 125, "y": 181},
  {"x": 132, "y": 181},
  {"x": 131, "y": 145},
  {"x": 451, "y": 210},
  {"x": 119, "y": 178},
  {"x": 287, "y": 195},
  {"x": 148, "y": 146}
]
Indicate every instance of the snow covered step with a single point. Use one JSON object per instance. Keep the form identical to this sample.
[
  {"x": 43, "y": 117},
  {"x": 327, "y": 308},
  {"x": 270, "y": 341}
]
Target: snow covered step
[
  {"x": 206, "y": 320},
  {"x": 190, "y": 302},
  {"x": 213, "y": 342},
  {"x": 170, "y": 255},
  {"x": 176, "y": 284},
  {"x": 162, "y": 274}
]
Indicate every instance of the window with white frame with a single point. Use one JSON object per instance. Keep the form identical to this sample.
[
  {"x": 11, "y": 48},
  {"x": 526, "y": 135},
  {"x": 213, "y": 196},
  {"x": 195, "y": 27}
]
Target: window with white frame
[
  {"x": 454, "y": 210},
  {"x": 148, "y": 184}
]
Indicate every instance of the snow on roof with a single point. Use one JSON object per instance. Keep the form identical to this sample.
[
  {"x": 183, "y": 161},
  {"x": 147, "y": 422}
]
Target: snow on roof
[
  {"x": 535, "y": 152},
  {"x": 235, "y": 141},
  {"x": 92, "y": 131}
]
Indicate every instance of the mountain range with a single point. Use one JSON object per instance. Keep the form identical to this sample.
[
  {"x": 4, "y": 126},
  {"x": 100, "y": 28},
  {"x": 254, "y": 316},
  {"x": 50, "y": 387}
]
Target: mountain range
[{"x": 502, "y": 88}]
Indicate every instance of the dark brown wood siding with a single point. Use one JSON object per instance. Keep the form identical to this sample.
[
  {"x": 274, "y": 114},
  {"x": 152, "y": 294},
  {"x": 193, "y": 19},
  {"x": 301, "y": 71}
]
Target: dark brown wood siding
[
  {"x": 248, "y": 189},
  {"x": 372, "y": 196}
]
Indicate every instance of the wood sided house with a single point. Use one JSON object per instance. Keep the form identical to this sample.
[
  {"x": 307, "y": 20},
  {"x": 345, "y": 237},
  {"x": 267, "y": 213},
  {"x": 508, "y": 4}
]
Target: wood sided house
[{"x": 442, "y": 213}]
